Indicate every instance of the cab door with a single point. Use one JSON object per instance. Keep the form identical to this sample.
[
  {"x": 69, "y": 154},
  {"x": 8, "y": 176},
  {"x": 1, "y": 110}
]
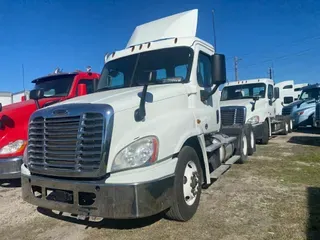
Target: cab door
[{"x": 206, "y": 111}]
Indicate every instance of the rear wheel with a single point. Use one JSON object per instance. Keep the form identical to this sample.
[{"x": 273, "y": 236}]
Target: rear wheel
[
  {"x": 265, "y": 133},
  {"x": 290, "y": 126},
  {"x": 285, "y": 127},
  {"x": 187, "y": 186}
]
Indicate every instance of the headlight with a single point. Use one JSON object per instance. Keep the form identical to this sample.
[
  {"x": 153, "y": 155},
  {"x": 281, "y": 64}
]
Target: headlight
[
  {"x": 300, "y": 113},
  {"x": 253, "y": 120},
  {"x": 13, "y": 147},
  {"x": 141, "y": 152}
]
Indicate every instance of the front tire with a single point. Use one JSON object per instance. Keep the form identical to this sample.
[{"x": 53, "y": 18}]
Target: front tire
[
  {"x": 242, "y": 150},
  {"x": 187, "y": 186},
  {"x": 265, "y": 134},
  {"x": 250, "y": 139}
]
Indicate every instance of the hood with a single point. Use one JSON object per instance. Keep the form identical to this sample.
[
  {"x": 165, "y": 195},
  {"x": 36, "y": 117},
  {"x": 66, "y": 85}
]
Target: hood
[
  {"x": 14, "y": 120},
  {"x": 127, "y": 98},
  {"x": 301, "y": 104},
  {"x": 239, "y": 102}
]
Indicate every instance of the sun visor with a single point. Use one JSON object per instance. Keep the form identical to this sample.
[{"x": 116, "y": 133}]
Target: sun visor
[{"x": 175, "y": 26}]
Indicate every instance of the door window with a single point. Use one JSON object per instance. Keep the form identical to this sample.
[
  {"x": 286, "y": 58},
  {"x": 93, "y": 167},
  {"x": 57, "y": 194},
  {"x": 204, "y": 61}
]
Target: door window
[{"x": 204, "y": 70}]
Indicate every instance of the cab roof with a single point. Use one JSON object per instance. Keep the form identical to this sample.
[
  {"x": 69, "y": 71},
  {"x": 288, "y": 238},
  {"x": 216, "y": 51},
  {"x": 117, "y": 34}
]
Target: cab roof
[
  {"x": 317, "y": 85},
  {"x": 250, "y": 81}
]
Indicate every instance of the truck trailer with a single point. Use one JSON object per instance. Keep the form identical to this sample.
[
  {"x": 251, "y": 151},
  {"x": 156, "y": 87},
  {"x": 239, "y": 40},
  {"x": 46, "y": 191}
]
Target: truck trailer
[{"x": 147, "y": 141}]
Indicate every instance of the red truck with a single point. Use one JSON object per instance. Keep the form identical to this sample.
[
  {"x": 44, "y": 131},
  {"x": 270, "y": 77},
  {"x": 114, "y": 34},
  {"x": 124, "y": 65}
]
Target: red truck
[{"x": 14, "y": 118}]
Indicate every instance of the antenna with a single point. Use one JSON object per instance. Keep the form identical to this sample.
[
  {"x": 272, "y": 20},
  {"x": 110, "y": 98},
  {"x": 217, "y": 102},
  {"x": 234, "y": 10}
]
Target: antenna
[
  {"x": 24, "y": 89},
  {"x": 214, "y": 32}
]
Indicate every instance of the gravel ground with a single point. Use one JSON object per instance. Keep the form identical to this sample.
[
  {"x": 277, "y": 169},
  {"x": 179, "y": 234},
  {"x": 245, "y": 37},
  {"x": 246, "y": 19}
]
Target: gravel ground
[{"x": 275, "y": 195}]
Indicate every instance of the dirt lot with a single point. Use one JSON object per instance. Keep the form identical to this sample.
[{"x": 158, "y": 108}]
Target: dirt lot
[{"x": 275, "y": 195}]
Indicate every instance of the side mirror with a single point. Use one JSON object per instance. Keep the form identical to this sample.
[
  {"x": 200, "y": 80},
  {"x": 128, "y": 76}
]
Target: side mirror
[
  {"x": 219, "y": 75},
  {"x": 255, "y": 98},
  {"x": 82, "y": 89},
  {"x": 276, "y": 93},
  {"x": 36, "y": 94}
]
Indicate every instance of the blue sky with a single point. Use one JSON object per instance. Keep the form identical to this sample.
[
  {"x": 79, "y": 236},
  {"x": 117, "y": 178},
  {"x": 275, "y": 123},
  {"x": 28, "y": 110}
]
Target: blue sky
[{"x": 74, "y": 34}]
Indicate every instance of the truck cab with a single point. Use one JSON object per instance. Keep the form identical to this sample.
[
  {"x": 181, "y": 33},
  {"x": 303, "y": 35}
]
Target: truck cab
[
  {"x": 302, "y": 111},
  {"x": 14, "y": 117},
  {"x": 252, "y": 102},
  {"x": 146, "y": 141}
]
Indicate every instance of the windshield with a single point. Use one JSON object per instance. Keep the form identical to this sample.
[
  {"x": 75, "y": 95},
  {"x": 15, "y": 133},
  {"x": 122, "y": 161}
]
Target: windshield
[
  {"x": 243, "y": 91},
  {"x": 310, "y": 94},
  {"x": 170, "y": 65},
  {"x": 56, "y": 87}
]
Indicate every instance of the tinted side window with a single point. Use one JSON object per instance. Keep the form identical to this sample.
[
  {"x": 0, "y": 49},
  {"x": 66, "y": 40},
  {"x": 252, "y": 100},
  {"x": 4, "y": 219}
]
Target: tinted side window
[
  {"x": 288, "y": 87},
  {"x": 287, "y": 100},
  {"x": 204, "y": 71},
  {"x": 89, "y": 84},
  {"x": 270, "y": 91}
]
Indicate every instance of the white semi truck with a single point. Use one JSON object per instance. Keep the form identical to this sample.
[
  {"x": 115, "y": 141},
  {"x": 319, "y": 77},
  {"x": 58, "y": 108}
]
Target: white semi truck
[
  {"x": 253, "y": 102},
  {"x": 146, "y": 141}
]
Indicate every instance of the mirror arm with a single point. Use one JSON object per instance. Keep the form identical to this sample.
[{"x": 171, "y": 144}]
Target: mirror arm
[
  {"x": 210, "y": 93},
  {"x": 37, "y": 104}
]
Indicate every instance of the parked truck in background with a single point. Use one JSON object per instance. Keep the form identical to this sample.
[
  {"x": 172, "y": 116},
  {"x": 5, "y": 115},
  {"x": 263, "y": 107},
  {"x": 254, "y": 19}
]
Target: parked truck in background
[
  {"x": 298, "y": 89},
  {"x": 302, "y": 111},
  {"x": 146, "y": 141},
  {"x": 14, "y": 117},
  {"x": 5, "y": 98},
  {"x": 253, "y": 102}
]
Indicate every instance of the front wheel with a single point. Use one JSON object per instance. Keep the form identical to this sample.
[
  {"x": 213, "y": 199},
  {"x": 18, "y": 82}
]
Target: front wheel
[
  {"x": 265, "y": 133},
  {"x": 250, "y": 139},
  {"x": 187, "y": 186}
]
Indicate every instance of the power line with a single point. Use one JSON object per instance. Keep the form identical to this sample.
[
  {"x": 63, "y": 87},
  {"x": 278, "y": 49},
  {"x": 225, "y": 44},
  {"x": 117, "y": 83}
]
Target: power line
[{"x": 284, "y": 44}]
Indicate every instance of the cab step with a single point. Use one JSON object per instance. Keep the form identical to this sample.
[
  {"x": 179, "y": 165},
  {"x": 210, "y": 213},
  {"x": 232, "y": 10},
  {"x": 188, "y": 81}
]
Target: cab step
[
  {"x": 232, "y": 160},
  {"x": 219, "y": 171}
]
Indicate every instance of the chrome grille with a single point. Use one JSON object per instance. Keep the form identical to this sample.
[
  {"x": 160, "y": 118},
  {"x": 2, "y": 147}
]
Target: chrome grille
[
  {"x": 232, "y": 115},
  {"x": 286, "y": 111},
  {"x": 317, "y": 113},
  {"x": 68, "y": 144}
]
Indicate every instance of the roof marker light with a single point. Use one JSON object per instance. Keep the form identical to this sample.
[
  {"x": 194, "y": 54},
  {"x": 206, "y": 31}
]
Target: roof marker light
[
  {"x": 149, "y": 44},
  {"x": 140, "y": 47},
  {"x": 113, "y": 54},
  {"x": 132, "y": 48},
  {"x": 175, "y": 40}
]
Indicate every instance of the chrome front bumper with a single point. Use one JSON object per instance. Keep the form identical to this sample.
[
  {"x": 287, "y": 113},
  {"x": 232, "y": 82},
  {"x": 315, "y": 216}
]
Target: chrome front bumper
[
  {"x": 10, "y": 168},
  {"x": 98, "y": 199}
]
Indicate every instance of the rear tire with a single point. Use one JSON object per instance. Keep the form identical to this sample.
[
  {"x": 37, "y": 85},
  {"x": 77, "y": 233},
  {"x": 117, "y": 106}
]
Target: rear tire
[
  {"x": 265, "y": 134},
  {"x": 290, "y": 125},
  {"x": 187, "y": 186},
  {"x": 285, "y": 127}
]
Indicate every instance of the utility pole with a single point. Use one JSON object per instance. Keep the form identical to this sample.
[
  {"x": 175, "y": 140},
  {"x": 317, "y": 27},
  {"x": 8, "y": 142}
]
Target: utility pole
[{"x": 236, "y": 60}]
